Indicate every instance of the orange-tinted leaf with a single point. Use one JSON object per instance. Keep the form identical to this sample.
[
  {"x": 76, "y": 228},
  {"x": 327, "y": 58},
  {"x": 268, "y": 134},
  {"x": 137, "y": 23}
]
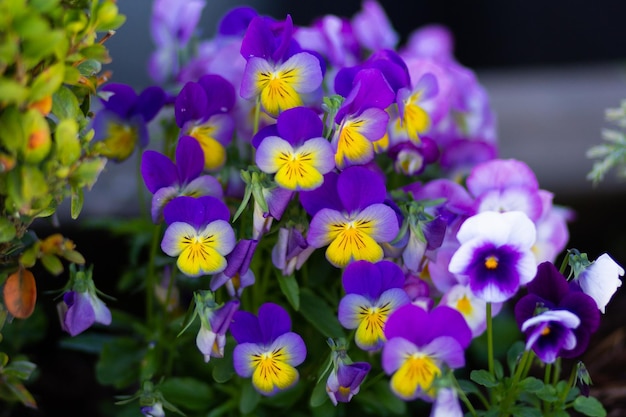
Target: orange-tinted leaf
[{"x": 20, "y": 293}]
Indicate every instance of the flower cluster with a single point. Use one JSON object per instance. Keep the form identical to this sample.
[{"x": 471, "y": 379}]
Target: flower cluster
[{"x": 324, "y": 184}]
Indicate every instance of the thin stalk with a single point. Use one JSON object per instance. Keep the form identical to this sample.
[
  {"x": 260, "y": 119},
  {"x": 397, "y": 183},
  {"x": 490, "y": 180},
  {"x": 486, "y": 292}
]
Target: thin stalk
[
  {"x": 490, "y": 340},
  {"x": 463, "y": 396},
  {"x": 519, "y": 370}
]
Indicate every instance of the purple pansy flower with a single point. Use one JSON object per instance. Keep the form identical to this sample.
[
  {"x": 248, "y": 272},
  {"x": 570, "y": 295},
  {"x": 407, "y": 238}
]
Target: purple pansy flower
[
  {"x": 373, "y": 293},
  {"x": 154, "y": 410},
  {"x": 277, "y": 72},
  {"x": 372, "y": 27},
  {"x": 81, "y": 307},
  {"x": 495, "y": 257},
  {"x": 291, "y": 250},
  {"x": 415, "y": 106},
  {"x": 345, "y": 378},
  {"x": 362, "y": 119},
  {"x": 558, "y": 321},
  {"x": 298, "y": 154},
  {"x": 121, "y": 124},
  {"x": 215, "y": 320},
  {"x": 419, "y": 345},
  {"x": 166, "y": 180},
  {"x": 202, "y": 111},
  {"x": 350, "y": 216},
  {"x": 199, "y": 234},
  {"x": 267, "y": 349}
]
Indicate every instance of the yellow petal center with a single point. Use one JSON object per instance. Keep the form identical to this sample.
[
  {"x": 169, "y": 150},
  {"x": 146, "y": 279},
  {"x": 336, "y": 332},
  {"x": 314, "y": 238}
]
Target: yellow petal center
[
  {"x": 296, "y": 171},
  {"x": 491, "y": 262},
  {"x": 271, "y": 371},
  {"x": 214, "y": 152},
  {"x": 352, "y": 241},
  {"x": 464, "y": 305},
  {"x": 372, "y": 320},
  {"x": 277, "y": 90},
  {"x": 417, "y": 371}
]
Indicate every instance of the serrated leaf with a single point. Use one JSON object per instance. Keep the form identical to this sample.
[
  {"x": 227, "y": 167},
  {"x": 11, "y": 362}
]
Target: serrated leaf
[
  {"x": 589, "y": 406},
  {"x": 484, "y": 378},
  {"x": 249, "y": 398},
  {"x": 188, "y": 393},
  {"x": 317, "y": 312},
  {"x": 291, "y": 290}
]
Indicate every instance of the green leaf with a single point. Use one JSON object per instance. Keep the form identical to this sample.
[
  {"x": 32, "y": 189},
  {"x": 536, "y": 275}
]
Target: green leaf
[
  {"x": 52, "y": 263},
  {"x": 37, "y": 49},
  {"x": 513, "y": 355},
  {"x": 97, "y": 52},
  {"x": 47, "y": 82},
  {"x": 67, "y": 142},
  {"x": 291, "y": 290},
  {"x": 119, "y": 363},
  {"x": 520, "y": 411},
  {"x": 317, "y": 312},
  {"x": 548, "y": 393},
  {"x": 65, "y": 105},
  {"x": 90, "y": 67},
  {"x": 589, "y": 406},
  {"x": 249, "y": 398},
  {"x": 87, "y": 173},
  {"x": 86, "y": 342},
  {"x": 20, "y": 392},
  {"x": 77, "y": 200},
  {"x": 484, "y": 378},
  {"x": 7, "y": 230},
  {"x": 12, "y": 92},
  {"x": 531, "y": 384},
  {"x": 319, "y": 395},
  {"x": 11, "y": 131},
  {"x": 189, "y": 393},
  {"x": 20, "y": 369}
]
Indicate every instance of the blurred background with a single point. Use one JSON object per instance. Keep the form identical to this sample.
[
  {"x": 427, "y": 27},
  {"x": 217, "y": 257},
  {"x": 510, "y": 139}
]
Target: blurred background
[{"x": 550, "y": 69}]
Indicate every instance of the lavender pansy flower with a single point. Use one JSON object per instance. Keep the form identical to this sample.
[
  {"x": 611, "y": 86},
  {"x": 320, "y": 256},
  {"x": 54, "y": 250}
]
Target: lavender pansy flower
[
  {"x": 346, "y": 377},
  {"x": 419, "y": 345},
  {"x": 298, "y": 156},
  {"x": 373, "y": 293},
  {"x": 600, "y": 280},
  {"x": 215, "y": 320},
  {"x": 291, "y": 250},
  {"x": 372, "y": 27},
  {"x": 166, "y": 180},
  {"x": 267, "y": 349},
  {"x": 558, "y": 321},
  {"x": 121, "y": 124},
  {"x": 446, "y": 404},
  {"x": 349, "y": 215},
  {"x": 473, "y": 309},
  {"x": 414, "y": 106},
  {"x": 81, "y": 307},
  {"x": 198, "y": 234},
  {"x": 495, "y": 256},
  {"x": 172, "y": 23}
]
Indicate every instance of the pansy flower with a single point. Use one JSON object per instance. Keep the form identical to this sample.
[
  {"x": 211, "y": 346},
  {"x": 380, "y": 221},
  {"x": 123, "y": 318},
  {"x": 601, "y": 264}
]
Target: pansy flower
[
  {"x": 372, "y": 27},
  {"x": 420, "y": 345},
  {"x": 558, "y": 321},
  {"x": 166, "y": 180},
  {"x": 215, "y": 320},
  {"x": 122, "y": 122},
  {"x": 298, "y": 155},
  {"x": 349, "y": 215},
  {"x": 346, "y": 377},
  {"x": 473, "y": 309},
  {"x": 362, "y": 119},
  {"x": 414, "y": 106},
  {"x": 267, "y": 349},
  {"x": 291, "y": 250},
  {"x": 495, "y": 256},
  {"x": 198, "y": 234},
  {"x": 277, "y": 72},
  {"x": 600, "y": 280},
  {"x": 81, "y": 307},
  {"x": 373, "y": 293},
  {"x": 202, "y": 111}
]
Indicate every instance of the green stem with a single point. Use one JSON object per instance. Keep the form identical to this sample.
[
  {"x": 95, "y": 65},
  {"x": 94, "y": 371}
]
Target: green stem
[
  {"x": 490, "y": 340},
  {"x": 547, "y": 374},
  {"x": 463, "y": 396},
  {"x": 151, "y": 277},
  {"x": 257, "y": 117},
  {"x": 512, "y": 391}
]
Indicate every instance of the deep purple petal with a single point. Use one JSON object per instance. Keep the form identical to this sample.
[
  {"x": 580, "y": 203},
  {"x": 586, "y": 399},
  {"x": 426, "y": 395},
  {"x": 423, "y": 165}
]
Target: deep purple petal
[
  {"x": 258, "y": 40},
  {"x": 189, "y": 159},
  {"x": 360, "y": 187},
  {"x": 239, "y": 259},
  {"x": 549, "y": 284},
  {"x": 371, "y": 280},
  {"x": 273, "y": 322},
  {"x": 220, "y": 94},
  {"x": 299, "y": 124},
  {"x": 325, "y": 196},
  {"x": 191, "y": 104},
  {"x": 157, "y": 170},
  {"x": 149, "y": 102},
  {"x": 121, "y": 99},
  {"x": 195, "y": 211},
  {"x": 270, "y": 130},
  {"x": 163, "y": 196},
  {"x": 236, "y": 21},
  {"x": 214, "y": 209},
  {"x": 245, "y": 328}
]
